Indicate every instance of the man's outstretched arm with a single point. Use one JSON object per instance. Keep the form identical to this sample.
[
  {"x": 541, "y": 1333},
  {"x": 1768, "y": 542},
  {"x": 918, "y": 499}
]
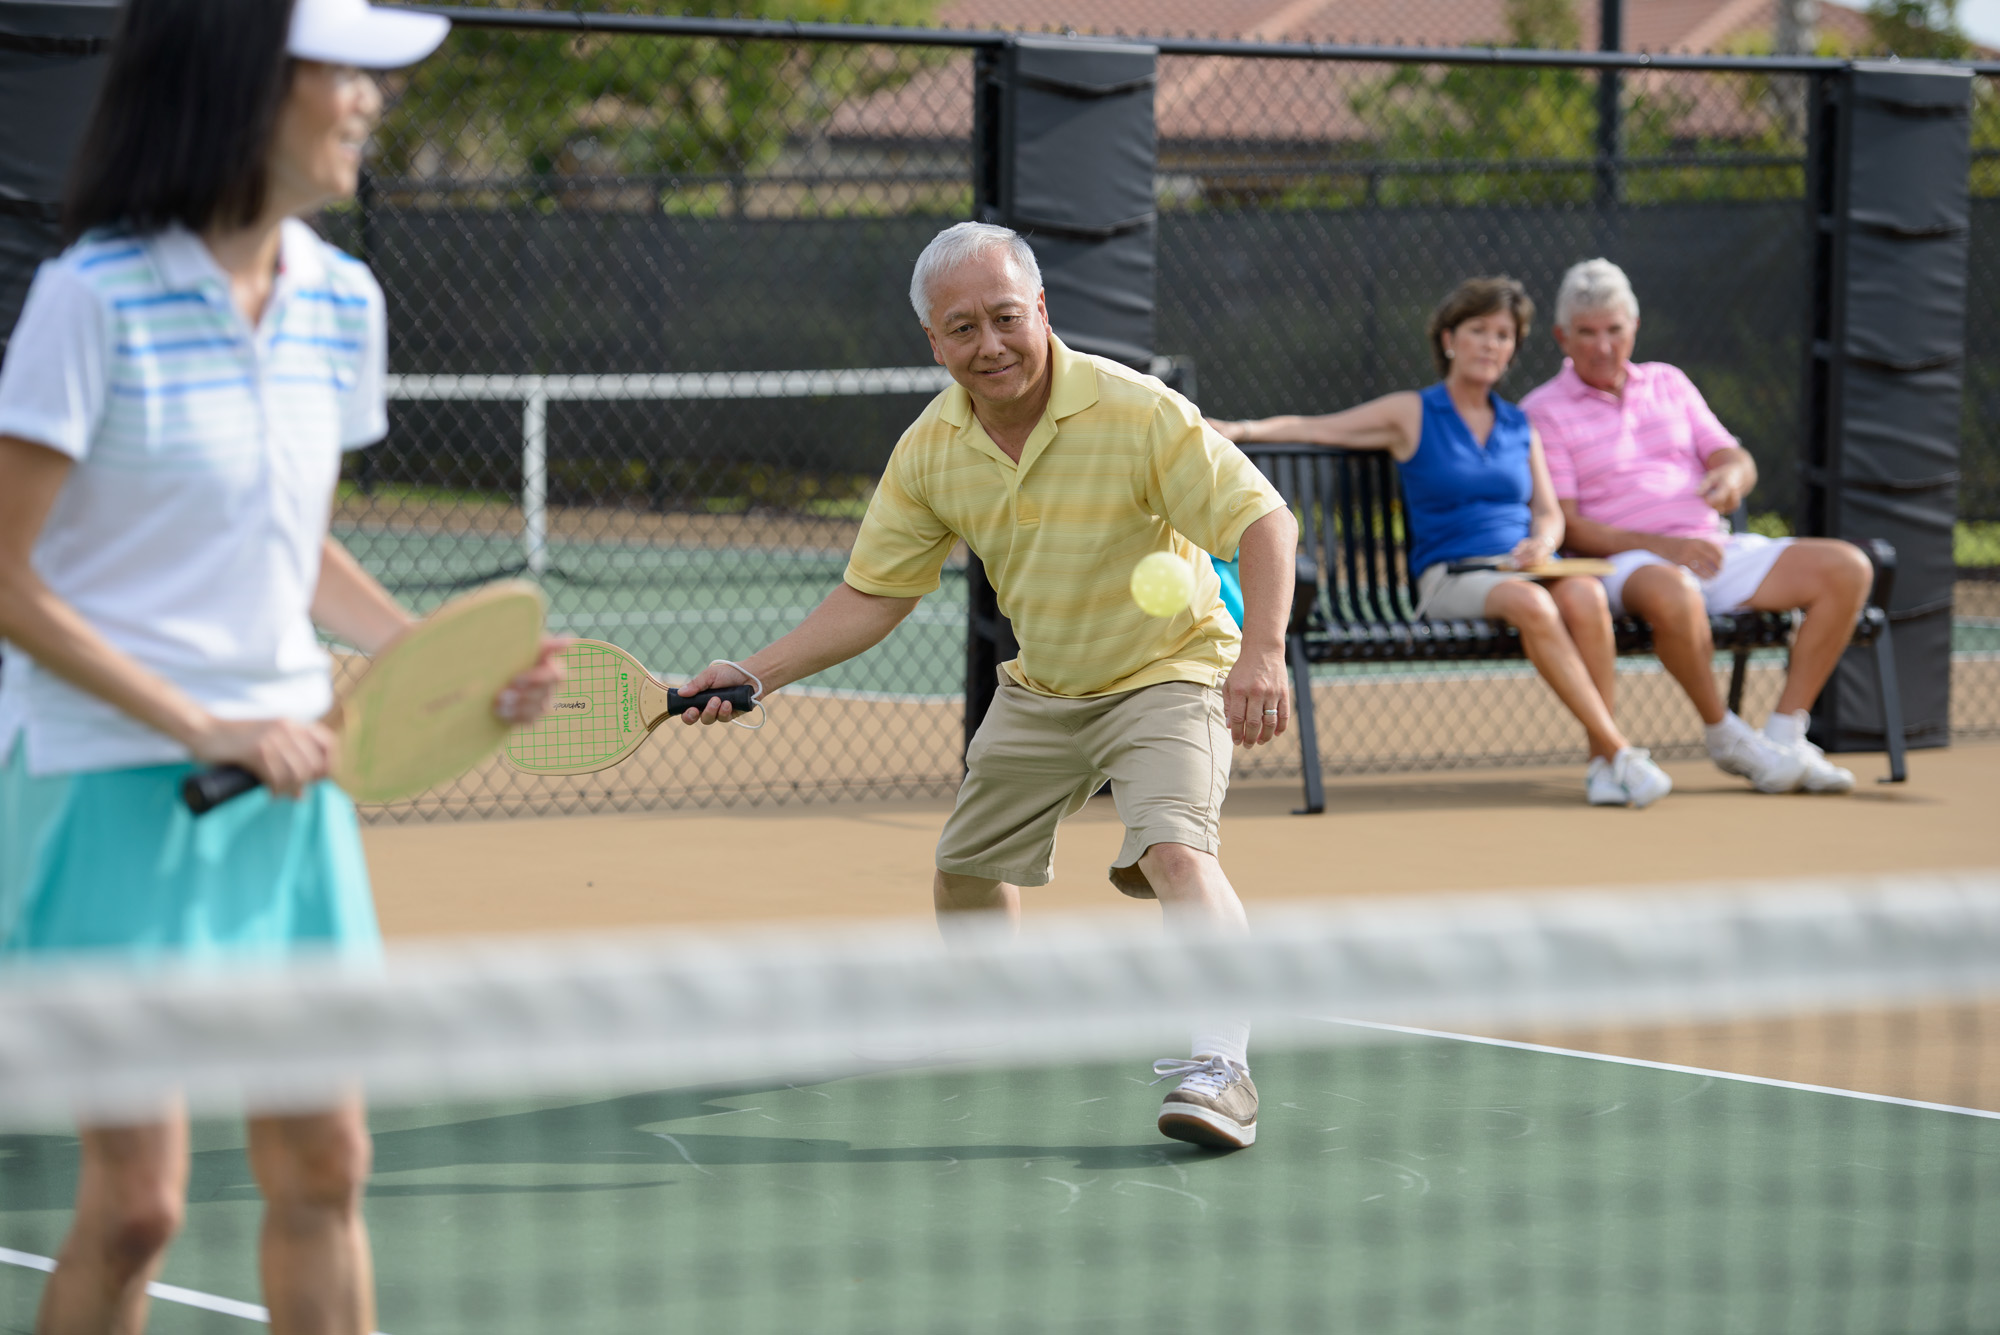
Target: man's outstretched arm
[{"x": 847, "y": 623}]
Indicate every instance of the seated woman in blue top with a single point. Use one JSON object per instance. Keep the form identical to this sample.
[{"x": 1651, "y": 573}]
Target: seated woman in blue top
[{"x": 1475, "y": 485}]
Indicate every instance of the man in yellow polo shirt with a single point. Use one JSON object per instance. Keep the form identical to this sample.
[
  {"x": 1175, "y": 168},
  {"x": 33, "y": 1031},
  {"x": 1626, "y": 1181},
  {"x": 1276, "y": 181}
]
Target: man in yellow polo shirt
[{"x": 1061, "y": 471}]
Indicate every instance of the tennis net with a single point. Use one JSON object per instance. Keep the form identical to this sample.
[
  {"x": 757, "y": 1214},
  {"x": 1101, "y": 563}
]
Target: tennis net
[{"x": 1718, "y": 1109}]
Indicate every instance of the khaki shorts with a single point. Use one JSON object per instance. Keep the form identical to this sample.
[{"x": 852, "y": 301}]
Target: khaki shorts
[{"x": 1037, "y": 759}]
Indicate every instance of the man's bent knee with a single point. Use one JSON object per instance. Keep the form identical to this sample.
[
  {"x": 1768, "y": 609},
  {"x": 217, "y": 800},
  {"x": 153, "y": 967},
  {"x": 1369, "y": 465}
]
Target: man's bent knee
[
  {"x": 954, "y": 892},
  {"x": 1853, "y": 574},
  {"x": 1665, "y": 598},
  {"x": 1175, "y": 858},
  {"x": 1173, "y": 863}
]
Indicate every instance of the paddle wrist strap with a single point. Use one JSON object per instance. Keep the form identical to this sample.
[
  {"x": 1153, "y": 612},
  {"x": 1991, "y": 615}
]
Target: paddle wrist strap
[{"x": 756, "y": 694}]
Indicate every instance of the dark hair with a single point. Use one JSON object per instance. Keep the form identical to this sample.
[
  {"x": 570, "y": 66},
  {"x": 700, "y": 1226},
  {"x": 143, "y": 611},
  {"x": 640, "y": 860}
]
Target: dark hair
[
  {"x": 1470, "y": 300},
  {"x": 183, "y": 124}
]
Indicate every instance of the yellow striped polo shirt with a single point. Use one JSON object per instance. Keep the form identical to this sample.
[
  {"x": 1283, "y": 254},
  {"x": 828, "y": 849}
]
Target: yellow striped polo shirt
[{"x": 1119, "y": 467}]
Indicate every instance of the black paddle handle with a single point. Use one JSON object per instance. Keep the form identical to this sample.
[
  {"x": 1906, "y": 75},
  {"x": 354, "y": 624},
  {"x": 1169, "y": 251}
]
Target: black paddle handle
[
  {"x": 738, "y": 698},
  {"x": 206, "y": 789}
]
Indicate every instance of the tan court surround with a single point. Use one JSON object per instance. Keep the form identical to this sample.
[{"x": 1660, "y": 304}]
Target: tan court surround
[
  {"x": 1382, "y": 835},
  {"x": 1521, "y": 830}
]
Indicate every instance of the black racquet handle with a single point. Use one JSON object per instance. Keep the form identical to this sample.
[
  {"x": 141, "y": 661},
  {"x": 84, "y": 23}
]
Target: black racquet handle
[
  {"x": 206, "y": 789},
  {"x": 736, "y": 697}
]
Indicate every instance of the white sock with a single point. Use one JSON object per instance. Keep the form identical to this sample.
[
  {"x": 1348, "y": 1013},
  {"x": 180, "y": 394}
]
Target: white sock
[
  {"x": 1786, "y": 729},
  {"x": 1718, "y": 733},
  {"x": 1226, "y": 1039}
]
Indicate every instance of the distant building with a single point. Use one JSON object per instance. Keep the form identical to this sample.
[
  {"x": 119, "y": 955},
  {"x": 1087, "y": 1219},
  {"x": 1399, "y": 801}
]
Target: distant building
[{"x": 1266, "y": 114}]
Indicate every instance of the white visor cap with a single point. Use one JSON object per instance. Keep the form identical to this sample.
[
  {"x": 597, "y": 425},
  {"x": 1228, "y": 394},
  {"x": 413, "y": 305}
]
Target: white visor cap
[{"x": 353, "y": 32}]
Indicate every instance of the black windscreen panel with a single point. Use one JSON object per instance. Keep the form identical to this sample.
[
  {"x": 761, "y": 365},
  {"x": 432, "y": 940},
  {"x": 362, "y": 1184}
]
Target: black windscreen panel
[
  {"x": 1890, "y": 191},
  {"x": 1072, "y": 144},
  {"x": 51, "y": 59},
  {"x": 1066, "y": 147}
]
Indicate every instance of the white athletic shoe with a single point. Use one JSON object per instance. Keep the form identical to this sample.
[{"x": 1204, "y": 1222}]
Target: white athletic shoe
[
  {"x": 1769, "y": 767},
  {"x": 1644, "y": 782},
  {"x": 1821, "y": 775},
  {"x": 1600, "y": 788},
  {"x": 1215, "y": 1105}
]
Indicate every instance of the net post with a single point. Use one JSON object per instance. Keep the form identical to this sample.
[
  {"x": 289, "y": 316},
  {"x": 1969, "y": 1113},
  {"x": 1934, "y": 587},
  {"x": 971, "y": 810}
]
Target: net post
[{"x": 535, "y": 477}]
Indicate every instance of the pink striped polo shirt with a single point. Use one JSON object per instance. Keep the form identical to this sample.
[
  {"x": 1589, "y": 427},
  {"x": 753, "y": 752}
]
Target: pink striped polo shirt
[{"x": 1634, "y": 461}]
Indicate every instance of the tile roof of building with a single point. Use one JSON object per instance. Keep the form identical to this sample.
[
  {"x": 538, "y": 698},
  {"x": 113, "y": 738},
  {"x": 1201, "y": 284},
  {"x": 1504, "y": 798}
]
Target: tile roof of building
[
  {"x": 1293, "y": 101},
  {"x": 1654, "y": 25}
]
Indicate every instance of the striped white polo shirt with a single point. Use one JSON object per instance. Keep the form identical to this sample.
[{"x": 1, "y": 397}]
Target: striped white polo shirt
[{"x": 189, "y": 532}]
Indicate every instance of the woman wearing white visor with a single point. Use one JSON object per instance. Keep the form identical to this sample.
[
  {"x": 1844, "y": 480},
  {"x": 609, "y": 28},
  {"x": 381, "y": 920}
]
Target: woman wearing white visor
[{"x": 173, "y": 409}]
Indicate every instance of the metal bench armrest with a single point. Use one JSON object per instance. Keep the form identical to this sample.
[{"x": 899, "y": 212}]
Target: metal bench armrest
[
  {"x": 1881, "y": 554},
  {"x": 1305, "y": 593}
]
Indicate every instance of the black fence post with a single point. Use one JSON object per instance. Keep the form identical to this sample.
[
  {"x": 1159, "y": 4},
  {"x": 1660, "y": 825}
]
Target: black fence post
[
  {"x": 1610, "y": 37},
  {"x": 1890, "y": 188},
  {"x": 1826, "y": 224},
  {"x": 1064, "y": 151},
  {"x": 989, "y": 639}
]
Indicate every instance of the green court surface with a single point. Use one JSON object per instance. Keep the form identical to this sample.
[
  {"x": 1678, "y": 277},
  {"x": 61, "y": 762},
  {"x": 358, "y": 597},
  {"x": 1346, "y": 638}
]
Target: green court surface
[
  {"x": 1419, "y": 1185},
  {"x": 675, "y": 608}
]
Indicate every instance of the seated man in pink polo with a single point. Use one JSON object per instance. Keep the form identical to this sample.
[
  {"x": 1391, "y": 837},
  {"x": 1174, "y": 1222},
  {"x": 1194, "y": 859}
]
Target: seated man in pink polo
[{"x": 1646, "y": 476}]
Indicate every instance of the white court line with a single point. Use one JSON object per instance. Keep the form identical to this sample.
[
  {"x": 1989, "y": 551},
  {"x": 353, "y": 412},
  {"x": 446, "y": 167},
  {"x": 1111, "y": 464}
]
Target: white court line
[
  {"x": 1668, "y": 1066},
  {"x": 172, "y": 1293}
]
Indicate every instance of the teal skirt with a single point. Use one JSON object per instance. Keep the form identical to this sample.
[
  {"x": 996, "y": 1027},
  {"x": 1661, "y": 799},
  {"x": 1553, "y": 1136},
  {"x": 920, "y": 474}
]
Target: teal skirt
[{"x": 110, "y": 862}]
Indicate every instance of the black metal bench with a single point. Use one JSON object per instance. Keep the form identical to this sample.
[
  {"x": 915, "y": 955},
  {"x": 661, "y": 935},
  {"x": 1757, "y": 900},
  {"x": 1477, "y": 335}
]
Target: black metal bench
[{"x": 1355, "y": 600}]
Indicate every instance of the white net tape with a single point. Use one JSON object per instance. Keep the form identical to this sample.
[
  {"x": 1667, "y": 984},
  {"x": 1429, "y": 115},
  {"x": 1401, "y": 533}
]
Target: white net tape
[{"x": 681, "y": 1009}]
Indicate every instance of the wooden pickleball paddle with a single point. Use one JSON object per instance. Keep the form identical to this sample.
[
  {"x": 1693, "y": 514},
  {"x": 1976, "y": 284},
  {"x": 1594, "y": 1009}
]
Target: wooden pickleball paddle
[
  {"x": 422, "y": 714},
  {"x": 609, "y": 705}
]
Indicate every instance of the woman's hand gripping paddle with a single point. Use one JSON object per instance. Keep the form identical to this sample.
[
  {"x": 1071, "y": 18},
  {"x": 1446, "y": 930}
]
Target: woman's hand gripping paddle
[{"x": 422, "y": 714}]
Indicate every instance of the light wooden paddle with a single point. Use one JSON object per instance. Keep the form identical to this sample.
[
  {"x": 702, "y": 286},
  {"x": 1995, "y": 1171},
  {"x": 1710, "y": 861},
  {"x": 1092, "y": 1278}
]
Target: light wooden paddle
[
  {"x": 1562, "y": 568},
  {"x": 609, "y": 704},
  {"x": 422, "y": 713}
]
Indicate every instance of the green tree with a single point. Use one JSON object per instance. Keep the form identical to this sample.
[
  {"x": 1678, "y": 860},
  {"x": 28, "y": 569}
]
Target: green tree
[
  {"x": 504, "y": 104},
  {"x": 1543, "y": 25},
  {"x": 1921, "y": 29},
  {"x": 1513, "y": 128}
]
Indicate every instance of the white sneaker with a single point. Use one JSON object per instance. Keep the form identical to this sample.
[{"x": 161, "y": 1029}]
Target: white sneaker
[
  {"x": 1821, "y": 775},
  {"x": 1769, "y": 767},
  {"x": 1644, "y": 782},
  {"x": 1215, "y": 1104},
  {"x": 1599, "y": 787}
]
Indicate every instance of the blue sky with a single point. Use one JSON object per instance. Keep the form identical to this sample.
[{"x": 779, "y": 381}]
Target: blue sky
[{"x": 1981, "y": 20}]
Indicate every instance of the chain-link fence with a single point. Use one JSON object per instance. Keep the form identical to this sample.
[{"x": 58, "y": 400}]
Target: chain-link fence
[
  {"x": 651, "y": 343},
  {"x": 1976, "y": 602},
  {"x": 1909, "y": 28}
]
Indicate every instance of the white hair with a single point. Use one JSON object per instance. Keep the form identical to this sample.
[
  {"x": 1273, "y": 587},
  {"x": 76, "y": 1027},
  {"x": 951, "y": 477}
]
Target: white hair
[
  {"x": 1594, "y": 285},
  {"x": 960, "y": 244}
]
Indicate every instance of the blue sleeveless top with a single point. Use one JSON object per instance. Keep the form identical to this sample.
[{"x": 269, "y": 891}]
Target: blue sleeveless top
[{"x": 1462, "y": 499}]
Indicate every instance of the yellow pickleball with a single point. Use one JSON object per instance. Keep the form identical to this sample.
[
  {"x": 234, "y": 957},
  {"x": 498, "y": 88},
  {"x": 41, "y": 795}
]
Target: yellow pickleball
[{"x": 1162, "y": 585}]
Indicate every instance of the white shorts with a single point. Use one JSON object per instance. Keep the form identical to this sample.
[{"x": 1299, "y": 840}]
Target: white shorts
[{"x": 1746, "y": 559}]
